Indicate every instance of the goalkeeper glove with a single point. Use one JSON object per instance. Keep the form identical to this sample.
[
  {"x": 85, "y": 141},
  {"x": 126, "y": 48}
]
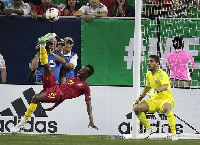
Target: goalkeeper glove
[
  {"x": 137, "y": 101},
  {"x": 152, "y": 92}
]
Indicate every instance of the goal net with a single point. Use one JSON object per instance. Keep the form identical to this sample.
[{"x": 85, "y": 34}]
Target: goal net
[{"x": 162, "y": 21}]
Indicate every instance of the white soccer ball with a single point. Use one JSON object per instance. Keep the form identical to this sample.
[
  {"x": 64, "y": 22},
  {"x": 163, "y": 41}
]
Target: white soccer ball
[{"x": 52, "y": 14}]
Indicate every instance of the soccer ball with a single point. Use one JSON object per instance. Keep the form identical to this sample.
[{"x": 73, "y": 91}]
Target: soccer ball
[{"x": 52, "y": 14}]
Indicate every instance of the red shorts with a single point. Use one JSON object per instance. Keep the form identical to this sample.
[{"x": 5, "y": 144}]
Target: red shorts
[
  {"x": 53, "y": 92},
  {"x": 49, "y": 82}
]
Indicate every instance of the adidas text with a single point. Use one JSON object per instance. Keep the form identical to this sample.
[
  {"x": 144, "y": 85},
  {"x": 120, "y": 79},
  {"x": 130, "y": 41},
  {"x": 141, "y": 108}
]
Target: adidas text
[{"x": 40, "y": 126}]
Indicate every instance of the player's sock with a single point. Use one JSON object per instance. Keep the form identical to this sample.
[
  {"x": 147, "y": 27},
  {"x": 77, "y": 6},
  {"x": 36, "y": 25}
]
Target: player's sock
[
  {"x": 32, "y": 107},
  {"x": 171, "y": 121},
  {"x": 143, "y": 119},
  {"x": 43, "y": 55}
]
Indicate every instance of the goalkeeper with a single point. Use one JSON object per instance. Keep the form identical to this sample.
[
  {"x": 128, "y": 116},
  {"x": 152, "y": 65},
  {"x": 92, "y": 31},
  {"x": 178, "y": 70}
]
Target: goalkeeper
[{"x": 161, "y": 101}]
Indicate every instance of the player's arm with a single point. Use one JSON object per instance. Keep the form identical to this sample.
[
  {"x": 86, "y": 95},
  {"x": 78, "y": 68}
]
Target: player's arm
[
  {"x": 3, "y": 75},
  {"x": 73, "y": 62},
  {"x": 58, "y": 58},
  {"x": 89, "y": 110},
  {"x": 51, "y": 108},
  {"x": 146, "y": 89},
  {"x": 162, "y": 88}
]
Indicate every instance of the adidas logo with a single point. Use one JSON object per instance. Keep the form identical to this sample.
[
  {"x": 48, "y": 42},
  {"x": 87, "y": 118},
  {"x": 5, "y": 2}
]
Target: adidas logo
[
  {"x": 12, "y": 115},
  {"x": 158, "y": 123}
]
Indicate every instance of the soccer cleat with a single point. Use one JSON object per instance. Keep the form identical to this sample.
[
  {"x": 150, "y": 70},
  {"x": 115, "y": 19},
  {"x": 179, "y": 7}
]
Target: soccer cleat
[
  {"x": 19, "y": 126},
  {"x": 47, "y": 37},
  {"x": 174, "y": 137},
  {"x": 148, "y": 133},
  {"x": 50, "y": 36},
  {"x": 42, "y": 39}
]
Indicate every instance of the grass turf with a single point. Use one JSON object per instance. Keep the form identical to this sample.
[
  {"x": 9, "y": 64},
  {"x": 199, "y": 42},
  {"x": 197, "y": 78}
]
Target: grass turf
[{"x": 42, "y": 139}]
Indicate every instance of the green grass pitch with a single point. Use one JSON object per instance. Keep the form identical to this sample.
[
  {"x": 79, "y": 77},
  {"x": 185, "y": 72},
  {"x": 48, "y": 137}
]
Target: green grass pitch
[{"x": 35, "y": 139}]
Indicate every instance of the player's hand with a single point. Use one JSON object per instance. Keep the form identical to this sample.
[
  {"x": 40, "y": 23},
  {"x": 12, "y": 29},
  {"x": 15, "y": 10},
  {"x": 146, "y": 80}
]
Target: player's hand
[
  {"x": 151, "y": 93},
  {"x": 92, "y": 125},
  {"x": 70, "y": 66},
  {"x": 137, "y": 101}
]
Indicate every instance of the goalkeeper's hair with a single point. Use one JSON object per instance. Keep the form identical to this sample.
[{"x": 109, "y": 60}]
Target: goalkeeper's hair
[{"x": 156, "y": 58}]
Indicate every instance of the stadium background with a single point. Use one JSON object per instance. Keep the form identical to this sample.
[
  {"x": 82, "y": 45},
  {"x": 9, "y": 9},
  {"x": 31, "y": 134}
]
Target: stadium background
[{"x": 103, "y": 43}]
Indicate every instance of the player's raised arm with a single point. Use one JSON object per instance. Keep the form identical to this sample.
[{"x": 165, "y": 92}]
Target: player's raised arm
[{"x": 89, "y": 110}]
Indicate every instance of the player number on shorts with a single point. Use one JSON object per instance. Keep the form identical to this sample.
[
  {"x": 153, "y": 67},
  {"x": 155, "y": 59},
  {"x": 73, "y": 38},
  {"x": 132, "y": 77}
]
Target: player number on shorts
[{"x": 52, "y": 95}]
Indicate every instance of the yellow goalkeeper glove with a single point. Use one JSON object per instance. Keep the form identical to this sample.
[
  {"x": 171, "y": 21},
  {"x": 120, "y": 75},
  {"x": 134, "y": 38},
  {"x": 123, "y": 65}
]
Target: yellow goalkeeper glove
[
  {"x": 137, "y": 101},
  {"x": 152, "y": 92}
]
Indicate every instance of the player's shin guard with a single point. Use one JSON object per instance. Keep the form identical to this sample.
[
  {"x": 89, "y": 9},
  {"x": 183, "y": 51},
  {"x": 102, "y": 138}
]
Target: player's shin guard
[
  {"x": 32, "y": 107},
  {"x": 43, "y": 55},
  {"x": 143, "y": 119},
  {"x": 171, "y": 121}
]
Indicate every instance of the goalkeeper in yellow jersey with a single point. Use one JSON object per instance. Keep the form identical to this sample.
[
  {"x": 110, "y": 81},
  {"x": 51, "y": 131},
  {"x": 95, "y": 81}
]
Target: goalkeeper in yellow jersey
[{"x": 161, "y": 101}]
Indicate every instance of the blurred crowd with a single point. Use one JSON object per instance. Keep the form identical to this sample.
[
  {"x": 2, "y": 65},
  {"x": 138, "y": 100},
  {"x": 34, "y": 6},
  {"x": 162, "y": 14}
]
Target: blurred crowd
[
  {"x": 87, "y": 9},
  {"x": 172, "y": 8}
]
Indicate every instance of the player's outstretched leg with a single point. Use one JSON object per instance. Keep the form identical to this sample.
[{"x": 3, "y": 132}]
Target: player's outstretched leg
[
  {"x": 32, "y": 107},
  {"x": 44, "y": 56},
  {"x": 43, "y": 51},
  {"x": 41, "y": 96}
]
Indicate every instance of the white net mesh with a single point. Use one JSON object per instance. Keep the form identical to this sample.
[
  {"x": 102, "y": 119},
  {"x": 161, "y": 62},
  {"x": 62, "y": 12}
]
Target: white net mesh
[{"x": 163, "y": 26}]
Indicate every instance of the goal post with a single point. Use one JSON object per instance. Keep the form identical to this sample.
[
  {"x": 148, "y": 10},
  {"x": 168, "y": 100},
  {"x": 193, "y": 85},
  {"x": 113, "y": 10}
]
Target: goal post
[{"x": 136, "y": 63}]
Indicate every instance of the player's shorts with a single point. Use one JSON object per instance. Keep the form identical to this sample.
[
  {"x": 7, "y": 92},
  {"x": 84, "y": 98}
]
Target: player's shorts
[
  {"x": 53, "y": 92},
  {"x": 156, "y": 105},
  {"x": 49, "y": 82}
]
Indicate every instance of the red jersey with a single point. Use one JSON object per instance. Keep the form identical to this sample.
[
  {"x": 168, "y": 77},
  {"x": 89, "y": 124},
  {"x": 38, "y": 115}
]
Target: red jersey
[
  {"x": 74, "y": 87},
  {"x": 40, "y": 9}
]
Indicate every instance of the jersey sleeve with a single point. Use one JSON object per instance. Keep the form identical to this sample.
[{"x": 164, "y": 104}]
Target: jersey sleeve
[
  {"x": 83, "y": 8},
  {"x": 27, "y": 9},
  {"x": 87, "y": 93},
  {"x": 104, "y": 8}
]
